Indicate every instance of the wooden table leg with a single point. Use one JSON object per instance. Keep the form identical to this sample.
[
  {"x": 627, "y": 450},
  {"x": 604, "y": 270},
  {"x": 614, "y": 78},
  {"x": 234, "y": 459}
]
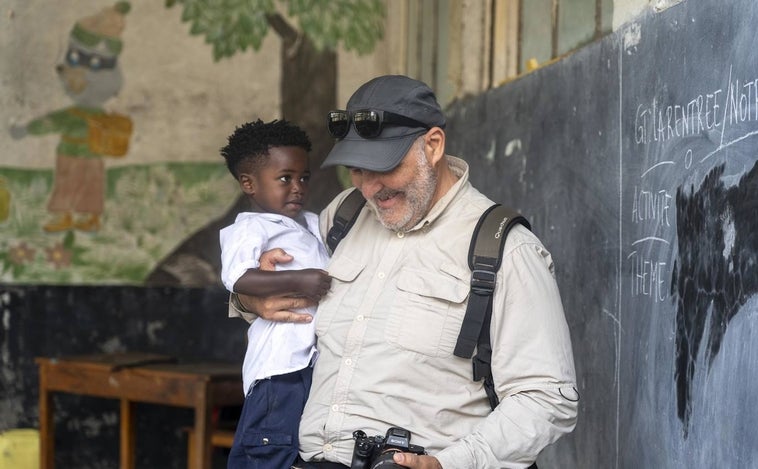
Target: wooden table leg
[
  {"x": 202, "y": 433},
  {"x": 46, "y": 423},
  {"x": 127, "y": 435}
]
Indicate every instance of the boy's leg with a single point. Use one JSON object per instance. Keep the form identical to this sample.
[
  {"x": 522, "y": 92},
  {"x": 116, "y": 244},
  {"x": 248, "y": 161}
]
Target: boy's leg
[{"x": 267, "y": 432}]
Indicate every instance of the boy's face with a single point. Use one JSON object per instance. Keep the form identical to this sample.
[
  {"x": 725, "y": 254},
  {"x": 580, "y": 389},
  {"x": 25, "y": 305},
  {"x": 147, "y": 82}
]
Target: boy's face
[{"x": 281, "y": 184}]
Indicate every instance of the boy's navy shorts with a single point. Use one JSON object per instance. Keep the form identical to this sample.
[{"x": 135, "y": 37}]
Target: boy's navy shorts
[{"x": 267, "y": 432}]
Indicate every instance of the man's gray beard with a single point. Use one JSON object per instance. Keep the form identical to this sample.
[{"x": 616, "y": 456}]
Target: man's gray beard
[{"x": 418, "y": 194}]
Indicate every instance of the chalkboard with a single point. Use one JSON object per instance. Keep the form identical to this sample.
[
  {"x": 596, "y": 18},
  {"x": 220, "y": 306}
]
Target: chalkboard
[{"x": 635, "y": 161}]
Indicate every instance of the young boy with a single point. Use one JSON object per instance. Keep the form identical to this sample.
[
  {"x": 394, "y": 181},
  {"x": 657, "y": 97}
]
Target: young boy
[{"x": 270, "y": 162}]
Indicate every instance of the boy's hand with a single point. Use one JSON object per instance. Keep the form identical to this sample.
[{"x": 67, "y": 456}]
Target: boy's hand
[
  {"x": 281, "y": 308},
  {"x": 313, "y": 283}
]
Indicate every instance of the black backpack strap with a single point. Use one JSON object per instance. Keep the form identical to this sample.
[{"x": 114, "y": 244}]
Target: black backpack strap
[
  {"x": 344, "y": 217},
  {"x": 485, "y": 256}
]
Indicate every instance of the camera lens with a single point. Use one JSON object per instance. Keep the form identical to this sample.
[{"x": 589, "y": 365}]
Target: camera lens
[{"x": 385, "y": 461}]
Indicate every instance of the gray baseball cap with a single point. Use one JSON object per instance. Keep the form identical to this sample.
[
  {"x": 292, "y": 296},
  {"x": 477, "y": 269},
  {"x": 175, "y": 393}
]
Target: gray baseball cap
[{"x": 397, "y": 94}]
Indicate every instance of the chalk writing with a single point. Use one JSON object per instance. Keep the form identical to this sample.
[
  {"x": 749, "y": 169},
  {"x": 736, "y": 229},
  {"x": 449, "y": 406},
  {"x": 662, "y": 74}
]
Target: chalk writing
[
  {"x": 648, "y": 205},
  {"x": 660, "y": 123},
  {"x": 648, "y": 277},
  {"x": 713, "y": 110},
  {"x": 742, "y": 102}
]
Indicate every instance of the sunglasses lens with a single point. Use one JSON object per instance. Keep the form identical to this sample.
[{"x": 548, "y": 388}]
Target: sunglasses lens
[
  {"x": 338, "y": 123},
  {"x": 368, "y": 124}
]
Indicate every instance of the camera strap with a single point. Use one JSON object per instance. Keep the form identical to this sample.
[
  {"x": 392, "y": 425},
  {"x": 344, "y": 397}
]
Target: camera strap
[{"x": 484, "y": 258}]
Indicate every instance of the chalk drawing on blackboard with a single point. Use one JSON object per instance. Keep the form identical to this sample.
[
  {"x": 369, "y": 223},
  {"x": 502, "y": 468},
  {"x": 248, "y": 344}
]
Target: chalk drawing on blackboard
[{"x": 714, "y": 274}]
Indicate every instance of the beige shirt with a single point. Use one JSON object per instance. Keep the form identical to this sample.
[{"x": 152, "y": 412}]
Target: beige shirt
[{"x": 387, "y": 330}]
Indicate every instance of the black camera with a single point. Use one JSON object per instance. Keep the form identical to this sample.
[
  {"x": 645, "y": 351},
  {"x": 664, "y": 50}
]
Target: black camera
[{"x": 375, "y": 452}]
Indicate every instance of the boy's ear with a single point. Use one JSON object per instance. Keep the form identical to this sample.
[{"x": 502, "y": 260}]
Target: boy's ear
[{"x": 247, "y": 184}]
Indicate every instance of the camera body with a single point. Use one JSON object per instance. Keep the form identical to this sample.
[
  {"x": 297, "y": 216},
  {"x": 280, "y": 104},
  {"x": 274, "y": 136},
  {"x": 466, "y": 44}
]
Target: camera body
[{"x": 375, "y": 452}]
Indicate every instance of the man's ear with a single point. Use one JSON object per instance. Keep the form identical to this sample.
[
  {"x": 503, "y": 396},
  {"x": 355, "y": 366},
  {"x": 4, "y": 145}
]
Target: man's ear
[
  {"x": 434, "y": 143},
  {"x": 247, "y": 183}
]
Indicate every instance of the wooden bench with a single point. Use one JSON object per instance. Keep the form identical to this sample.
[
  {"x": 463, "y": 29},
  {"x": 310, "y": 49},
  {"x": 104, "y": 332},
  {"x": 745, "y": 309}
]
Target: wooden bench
[{"x": 220, "y": 438}]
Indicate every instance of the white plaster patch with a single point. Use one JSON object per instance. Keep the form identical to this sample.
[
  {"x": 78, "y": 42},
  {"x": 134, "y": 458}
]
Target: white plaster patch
[
  {"x": 153, "y": 327},
  {"x": 661, "y": 5},
  {"x": 632, "y": 36},
  {"x": 490, "y": 156},
  {"x": 113, "y": 345},
  {"x": 727, "y": 220},
  {"x": 514, "y": 146}
]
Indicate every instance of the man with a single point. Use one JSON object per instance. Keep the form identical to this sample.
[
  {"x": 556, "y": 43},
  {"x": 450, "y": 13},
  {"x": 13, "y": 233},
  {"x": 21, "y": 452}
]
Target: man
[{"x": 387, "y": 330}]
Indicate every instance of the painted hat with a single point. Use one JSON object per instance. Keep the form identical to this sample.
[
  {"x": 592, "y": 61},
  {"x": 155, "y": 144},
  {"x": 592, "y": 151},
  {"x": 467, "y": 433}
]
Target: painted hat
[{"x": 101, "y": 32}]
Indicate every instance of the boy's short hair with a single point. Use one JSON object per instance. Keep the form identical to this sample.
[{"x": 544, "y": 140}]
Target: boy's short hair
[{"x": 248, "y": 146}]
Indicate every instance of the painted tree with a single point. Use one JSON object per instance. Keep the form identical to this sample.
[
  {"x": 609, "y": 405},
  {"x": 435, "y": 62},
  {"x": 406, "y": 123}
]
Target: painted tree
[{"x": 310, "y": 33}]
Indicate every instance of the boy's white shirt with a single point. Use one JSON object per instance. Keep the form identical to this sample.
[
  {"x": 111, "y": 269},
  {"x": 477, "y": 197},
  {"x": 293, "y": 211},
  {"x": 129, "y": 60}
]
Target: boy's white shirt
[{"x": 273, "y": 348}]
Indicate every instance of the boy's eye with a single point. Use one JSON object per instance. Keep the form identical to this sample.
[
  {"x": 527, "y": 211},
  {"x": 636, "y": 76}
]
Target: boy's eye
[
  {"x": 305, "y": 179},
  {"x": 285, "y": 178}
]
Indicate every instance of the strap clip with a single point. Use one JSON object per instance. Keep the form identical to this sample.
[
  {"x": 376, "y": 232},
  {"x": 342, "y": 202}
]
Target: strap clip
[{"x": 483, "y": 281}]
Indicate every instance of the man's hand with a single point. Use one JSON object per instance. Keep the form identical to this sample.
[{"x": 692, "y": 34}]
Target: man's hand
[
  {"x": 415, "y": 461},
  {"x": 270, "y": 258},
  {"x": 278, "y": 308}
]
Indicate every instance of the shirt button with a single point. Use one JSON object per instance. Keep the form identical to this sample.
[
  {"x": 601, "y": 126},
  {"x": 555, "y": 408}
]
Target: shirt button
[
  {"x": 380, "y": 275},
  {"x": 400, "y": 234},
  {"x": 348, "y": 362},
  {"x": 327, "y": 447},
  {"x": 359, "y": 317},
  {"x": 335, "y": 407}
]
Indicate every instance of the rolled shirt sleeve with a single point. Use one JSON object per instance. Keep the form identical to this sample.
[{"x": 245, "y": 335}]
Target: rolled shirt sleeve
[{"x": 533, "y": 365}]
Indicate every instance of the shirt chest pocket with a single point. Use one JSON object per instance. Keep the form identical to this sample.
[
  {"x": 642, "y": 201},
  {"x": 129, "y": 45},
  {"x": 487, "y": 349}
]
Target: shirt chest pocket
[
  {"x": 343, "y": 271},
  {"x": 428, "y": 312}
]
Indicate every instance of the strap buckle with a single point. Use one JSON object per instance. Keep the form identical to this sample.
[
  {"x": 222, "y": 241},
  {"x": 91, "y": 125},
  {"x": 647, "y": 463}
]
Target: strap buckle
[
  {"x": 335, "y": 234},
  {"x": 483, "y": 281}
]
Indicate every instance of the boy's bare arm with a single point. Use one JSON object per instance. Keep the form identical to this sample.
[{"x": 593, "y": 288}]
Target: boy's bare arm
[{"x": 309, "y": 283}]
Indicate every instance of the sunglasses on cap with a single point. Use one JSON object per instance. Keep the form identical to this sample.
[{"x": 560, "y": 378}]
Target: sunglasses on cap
[{"x": 368, "y": 123}]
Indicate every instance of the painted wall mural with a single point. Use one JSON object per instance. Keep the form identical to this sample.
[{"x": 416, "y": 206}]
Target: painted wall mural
[
  {"x": 111, "y": 118},
  {"x": 111, "y": 159},
  {"x": 90, "y": 76}
]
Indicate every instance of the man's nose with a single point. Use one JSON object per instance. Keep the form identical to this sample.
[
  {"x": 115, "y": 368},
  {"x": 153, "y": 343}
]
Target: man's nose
[{"x": 370, "y": 183}]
